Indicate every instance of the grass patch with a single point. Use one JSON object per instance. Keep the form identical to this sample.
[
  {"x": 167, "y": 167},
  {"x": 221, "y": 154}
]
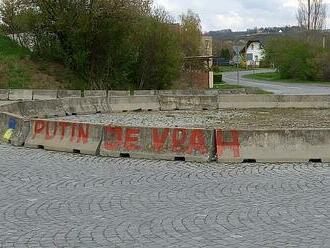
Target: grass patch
[
  {"x": 275, "y": 77},
  {"x": 19, "y": 69},
  {"x": 225, "y": 86}
]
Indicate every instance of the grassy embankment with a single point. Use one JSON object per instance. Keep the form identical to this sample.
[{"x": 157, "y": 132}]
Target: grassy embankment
[
  {"x": 275, "y": 77},
  {"x": 20, "y": 69}
]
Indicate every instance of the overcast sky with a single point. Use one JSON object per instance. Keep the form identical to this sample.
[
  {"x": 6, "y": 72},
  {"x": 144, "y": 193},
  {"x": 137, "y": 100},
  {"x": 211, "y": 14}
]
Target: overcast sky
[{"x": 238, "y": 14}]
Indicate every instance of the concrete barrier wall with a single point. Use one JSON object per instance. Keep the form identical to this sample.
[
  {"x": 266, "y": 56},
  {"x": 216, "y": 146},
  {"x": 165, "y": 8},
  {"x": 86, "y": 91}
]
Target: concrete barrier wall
[
  {"x": 44, "y": 94},
  {"x": 18, "y": 94},
  {"x": 273, "y": 145},
  {"x": 158, "y": 143},
  {"x": 13, "y": 129},
  {"x": 91, "y": 93},
  {"x": 119, "y": 93},
  {"x": 188, "y": 102},
  {"x": 68, "y": 93},
  {"x": 88, "y": 105},
  {"x": 188, "y": 92},
  {"x": 134, "y": 103},
  {"x": 145, "y": 92},
  {"x": 273, "y": 101},
  {"x": 65, "y": 136},
  {"x": 4, "y": 94}
]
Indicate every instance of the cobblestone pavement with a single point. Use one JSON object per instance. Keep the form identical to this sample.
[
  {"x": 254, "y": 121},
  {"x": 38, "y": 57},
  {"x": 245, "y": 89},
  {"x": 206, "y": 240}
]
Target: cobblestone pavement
[
  {"x": 238, "y": 119},
  {"x": 63, "y": 200}
]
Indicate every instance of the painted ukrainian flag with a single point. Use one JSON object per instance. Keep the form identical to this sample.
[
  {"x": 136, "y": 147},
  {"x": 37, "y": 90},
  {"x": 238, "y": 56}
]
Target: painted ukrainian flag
[{"x": 8, "y": 134}]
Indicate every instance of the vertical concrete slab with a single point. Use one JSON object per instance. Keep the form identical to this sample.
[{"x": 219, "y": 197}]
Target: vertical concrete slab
[
  {"x": 158, "y": 143},
  {"x": 18, "y": 94},
  {"x": 91, "y": 93},
  {"x": 68, "y": 93},
  {"x": 44, "y": 94},
  {"x": 273, "y": 145},
  {"x": 134, "y": 103},
  {"x": 184, "y": 102},
  {"x": 145, "y": 92},
  {"x": 4, "y": 94},
  {"x": 118, "y": 93},
  {"x": 13, "y": 129},
  {"x": 64, "y": 136}
]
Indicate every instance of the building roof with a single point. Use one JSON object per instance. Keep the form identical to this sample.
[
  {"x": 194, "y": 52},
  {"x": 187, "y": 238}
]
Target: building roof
[{"x": 249, "y": 42}]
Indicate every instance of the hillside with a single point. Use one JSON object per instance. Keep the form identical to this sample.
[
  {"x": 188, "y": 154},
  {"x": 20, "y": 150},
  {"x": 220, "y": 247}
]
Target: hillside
[{"x": 20, "y": 69}]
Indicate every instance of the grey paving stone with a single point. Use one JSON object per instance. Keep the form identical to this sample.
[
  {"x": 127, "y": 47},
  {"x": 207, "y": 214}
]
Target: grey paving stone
[{"x": 64, "y": 200}]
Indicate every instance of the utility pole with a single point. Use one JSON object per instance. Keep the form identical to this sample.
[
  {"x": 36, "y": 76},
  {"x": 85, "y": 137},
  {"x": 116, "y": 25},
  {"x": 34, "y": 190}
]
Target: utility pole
[{"x": 237, "y": 50}]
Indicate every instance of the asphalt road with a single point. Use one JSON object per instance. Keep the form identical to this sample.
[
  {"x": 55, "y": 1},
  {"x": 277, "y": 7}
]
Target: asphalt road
[
  {"x": 276, "y": 87},
  {"x": 63, "y": 200}
]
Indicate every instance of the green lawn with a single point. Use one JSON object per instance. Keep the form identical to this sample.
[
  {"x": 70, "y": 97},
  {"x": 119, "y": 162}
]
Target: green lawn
[
  {"x": 225, "y": 86},
  {"x": 275, "y": 76},
  {"x": 19, "y": 69}
]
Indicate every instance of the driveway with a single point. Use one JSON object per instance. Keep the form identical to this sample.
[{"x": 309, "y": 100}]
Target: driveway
[{"x": 280, "y": 88}]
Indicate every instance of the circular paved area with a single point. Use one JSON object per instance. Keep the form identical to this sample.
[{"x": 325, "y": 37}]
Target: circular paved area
[{"x": 62, "y": 200}]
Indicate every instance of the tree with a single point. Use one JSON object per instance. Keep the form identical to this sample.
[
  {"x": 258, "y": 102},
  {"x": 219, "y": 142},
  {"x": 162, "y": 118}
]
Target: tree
[
  {"x": 191, "y": 33},
  {"x": 311, "y": 14},
  {"x": 112, "y": 44}
]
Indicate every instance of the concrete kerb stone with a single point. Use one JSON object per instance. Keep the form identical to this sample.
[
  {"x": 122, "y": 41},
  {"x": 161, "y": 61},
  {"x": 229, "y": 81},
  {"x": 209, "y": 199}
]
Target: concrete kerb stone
[
  {"x": 68, "y": 93},
  {"x": 64, "y": 136},
  {"x": 183, "y": 102},
  {"x": 134, "y": 103},
  {"x": 44, "y": 94},
  {"x": 4, "y": 94},
  {"x": 18, "y": 94},
  {"x": 13, "y": 129},
  {"x": 273, "y": 145},
  {"x": 158, "y": 143}
]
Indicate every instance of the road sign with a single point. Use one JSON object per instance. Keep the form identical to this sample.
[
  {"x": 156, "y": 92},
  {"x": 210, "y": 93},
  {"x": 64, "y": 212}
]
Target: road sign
[
  {"x": 237, "y": 59},
  {"x": 238, "y": 49}
]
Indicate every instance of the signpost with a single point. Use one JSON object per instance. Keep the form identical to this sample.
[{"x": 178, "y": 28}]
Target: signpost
[{"x": 237, "y": 58}]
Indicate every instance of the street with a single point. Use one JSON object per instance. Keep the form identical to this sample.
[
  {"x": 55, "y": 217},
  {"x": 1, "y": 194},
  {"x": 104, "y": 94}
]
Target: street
[
  {"x": 278, "y": 88},
  {"x": 52, "y": 199}
]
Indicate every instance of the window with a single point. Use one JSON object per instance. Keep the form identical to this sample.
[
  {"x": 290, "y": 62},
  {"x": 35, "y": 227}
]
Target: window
[
  {"x": 249, "y": 56},
  {"x": 252, "y": 46}
]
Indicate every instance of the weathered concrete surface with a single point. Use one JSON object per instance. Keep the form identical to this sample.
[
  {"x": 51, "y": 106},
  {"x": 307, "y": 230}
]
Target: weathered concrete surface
[
  {"x": 145, "y": 92},
  {"x": 65, "y": 136},
  {"x": 273, "y": 101},
  {"x": 279, "y": 88},
  {"x": 158, "y": 143},
  {"x": 18, "y": 94},
  {"x": 44, "y": 94},
  {"x": 118, "y": 93},
  {"x": 91, "y": 93},
  {"x": 52, "y": 199},
  {"x": 193, "y": 92},
  {"x": 4, "y": 94},
  {"x": 13, "y": 129},
  {"x": 86, "y": 105},
  {"x": 134, "y": 103},
  {"x": 68, "y": 93},
  {"x": 273, "y": 145},
  {"x": 184, "y": 102}
]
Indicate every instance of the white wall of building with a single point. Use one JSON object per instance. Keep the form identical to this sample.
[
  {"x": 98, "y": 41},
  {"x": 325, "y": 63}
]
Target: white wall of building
[{"x": 254, "y": 54}]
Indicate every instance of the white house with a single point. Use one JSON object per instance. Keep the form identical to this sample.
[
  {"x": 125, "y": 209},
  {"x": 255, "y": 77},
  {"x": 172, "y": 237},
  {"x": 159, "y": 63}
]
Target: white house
[{"x": 254, "y": 52}]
